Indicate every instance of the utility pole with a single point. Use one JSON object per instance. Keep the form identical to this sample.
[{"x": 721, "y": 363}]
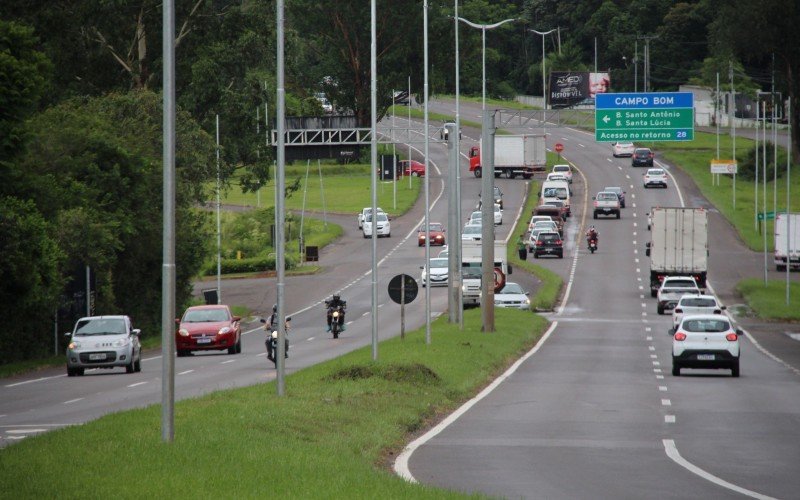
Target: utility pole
[{"x": 647, "y": 60}]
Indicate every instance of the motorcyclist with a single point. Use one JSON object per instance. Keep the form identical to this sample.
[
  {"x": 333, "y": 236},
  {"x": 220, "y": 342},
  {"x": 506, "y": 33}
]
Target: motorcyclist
[
  {"x": 592, "y": 234},
  {"x": 334, "y": 302},
  {"x": 270, "y": 326}
]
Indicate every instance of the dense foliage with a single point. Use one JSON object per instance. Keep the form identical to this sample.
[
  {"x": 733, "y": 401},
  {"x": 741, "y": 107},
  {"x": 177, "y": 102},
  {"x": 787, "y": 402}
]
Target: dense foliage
[{"x": 80, "y": 128}]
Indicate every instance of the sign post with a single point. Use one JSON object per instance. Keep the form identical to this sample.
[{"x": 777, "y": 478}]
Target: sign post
[
  {"x": 648, "y": 116},
  {"x": 403, "y": 290}
]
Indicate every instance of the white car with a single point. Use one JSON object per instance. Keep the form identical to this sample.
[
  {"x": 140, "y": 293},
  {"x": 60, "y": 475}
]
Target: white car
[
  {"x": 498, "y": 215},
  {"x": 538, "y": 218},
  {"x": 619, "y": 149},
  {"x": 472, "y": 232},
  {"x": 672, "y": 289},
  {"x": 384, "y": 226},
  {"x": 362, "y": 215},
  {"x": 655, "y": 177},
  {"x": 438, "y": 271},
  {"x": 705, "y": 341},
  {"x": 475, "y": 217},
  {"x": 556, "y": 176},
  {"x": 689, "y": 305},
  {"x": 564, "y": 170},
  {"x": 512, "y": 295},
  {"x": 444, "y": 134}
]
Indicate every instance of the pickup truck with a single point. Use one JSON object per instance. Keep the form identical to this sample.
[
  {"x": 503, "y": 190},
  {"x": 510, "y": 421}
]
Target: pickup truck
[
  {"x": 672, "y": 289},
  {"x": 606, "y": 203}
]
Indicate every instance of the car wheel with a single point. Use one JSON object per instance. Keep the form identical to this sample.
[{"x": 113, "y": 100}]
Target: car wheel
[
  {"x": 232, "y": 349},
  {"x": 239, "y": 346},
  {"x": 526, "y": 176},
  {"x": 535, "y": 255},
  {"x": 70, "y": 372},
  {"x": 414, "y": 174},
  {"x": 561, "y": 256},
  {"x": 653, "y": 293},
  {"x": 619, "y": 215},
  {"x": 478, "y": 172},
  {"x": 182, "y": 353},
  {"x": 735, "y": 369},
  {"x": 676, "y": 369},
  {"x": 130, "y": 368},
  {"x": 595, "y": 215},
  {"x": 660, "y": 309},
  {"x": 137, "y": 366}
]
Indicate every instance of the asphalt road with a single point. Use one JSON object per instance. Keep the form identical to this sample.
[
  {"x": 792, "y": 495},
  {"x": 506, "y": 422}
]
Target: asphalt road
[
  {"x": 593, "y": 411},
  {"x": 36, "y": 403}
]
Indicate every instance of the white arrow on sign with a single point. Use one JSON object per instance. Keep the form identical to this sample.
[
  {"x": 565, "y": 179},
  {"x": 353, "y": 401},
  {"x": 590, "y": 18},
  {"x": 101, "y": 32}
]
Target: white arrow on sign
[{"x": 606, "y": 119}]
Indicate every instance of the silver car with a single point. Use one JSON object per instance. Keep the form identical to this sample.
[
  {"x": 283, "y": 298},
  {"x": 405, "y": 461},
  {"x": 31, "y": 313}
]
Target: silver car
[
  {"x": 103, "y": 342},
  {"x": 512, "y": 295}
]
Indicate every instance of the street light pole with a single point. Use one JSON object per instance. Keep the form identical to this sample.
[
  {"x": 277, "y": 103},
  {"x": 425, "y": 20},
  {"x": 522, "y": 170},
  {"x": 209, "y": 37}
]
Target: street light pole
[
  {"x": 483, "y": 28},
  {"x": 544, "y": 84}
]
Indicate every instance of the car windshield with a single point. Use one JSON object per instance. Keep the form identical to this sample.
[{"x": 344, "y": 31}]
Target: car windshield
[
  {"x": 548, "y": 236},
  {"x": 438, "y": 263},
  {"x": 680, "y": 284},
  {"x": 100, "y": 326},
  {"x": 205, "y": 315},
  {"x": 434, "y": 228},
  {"x": 706, "y": 325},
  {"x": 606, "y": 196},
  {"x": 561, "y": 168},
  {"x": 698, "y": 302},
  {"x": 512, "y": 288},
  {"x": 472, "y": 230},
  {"x": 381, "y": 217},
  {"x": 642, "y": 152},
  {"x": 655, "y": 172},
  {"x": 613, "y": 189}
]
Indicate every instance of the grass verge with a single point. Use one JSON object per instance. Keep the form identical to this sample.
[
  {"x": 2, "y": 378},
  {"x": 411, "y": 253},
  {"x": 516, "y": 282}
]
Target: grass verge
[
  {"x": 403, "y": 112},
  {"x": 328, "y": 437},
  {"x": 769, "y": 302}
]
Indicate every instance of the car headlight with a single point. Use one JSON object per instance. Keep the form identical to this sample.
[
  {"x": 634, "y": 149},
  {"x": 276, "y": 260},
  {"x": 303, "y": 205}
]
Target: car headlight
[
  {"x": 74, "y": 345},
  {"x": 183, "y": 332},
  {"x": 122, "y": 342},
  {"x": 224, "y": 330},
  {"x": 527, "y": 301}
]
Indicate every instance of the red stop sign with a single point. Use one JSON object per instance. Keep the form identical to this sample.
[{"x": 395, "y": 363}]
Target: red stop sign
[{"x": 559, "y": 147}]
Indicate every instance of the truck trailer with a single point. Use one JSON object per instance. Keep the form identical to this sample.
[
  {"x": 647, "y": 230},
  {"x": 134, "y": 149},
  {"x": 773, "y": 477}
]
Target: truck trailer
[
  {"x": 514, "y": 155},
  {"x": 787, "y": 241},
  {"x": 678, "y": 245},
  {"x": 471, "y": 269}
]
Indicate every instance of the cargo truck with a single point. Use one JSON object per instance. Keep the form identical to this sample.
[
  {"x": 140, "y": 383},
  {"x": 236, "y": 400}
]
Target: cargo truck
[
  {"x": 471, "y": 269},
  {"x": 787, "y": 241},
  {"x": 513, "y": 155},
  {"x": 678, "y": 245}
]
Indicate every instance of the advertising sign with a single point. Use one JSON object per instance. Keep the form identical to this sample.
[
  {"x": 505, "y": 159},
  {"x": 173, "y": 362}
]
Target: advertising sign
[
  {"x": 568, "y": 88},
  {"x": 723, "y": 167}
]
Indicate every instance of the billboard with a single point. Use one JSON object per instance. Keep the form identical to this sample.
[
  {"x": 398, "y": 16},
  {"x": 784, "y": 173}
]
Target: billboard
[{"x": 568, "y": 88}]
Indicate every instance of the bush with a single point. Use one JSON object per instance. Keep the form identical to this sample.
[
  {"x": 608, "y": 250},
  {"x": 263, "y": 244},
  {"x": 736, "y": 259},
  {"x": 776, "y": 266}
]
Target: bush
[
  {"x": 747, "y": 164},
  {"x": 250, "y": 265}
]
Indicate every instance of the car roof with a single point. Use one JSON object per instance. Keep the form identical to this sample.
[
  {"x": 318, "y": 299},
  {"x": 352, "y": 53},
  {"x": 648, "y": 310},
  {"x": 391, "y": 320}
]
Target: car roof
[
  {"x": 207, "y": 306},
  {"x": 706, "y": 317},
  {"x": 612, "y": 188},
  {"x": 642, "y": 149}
]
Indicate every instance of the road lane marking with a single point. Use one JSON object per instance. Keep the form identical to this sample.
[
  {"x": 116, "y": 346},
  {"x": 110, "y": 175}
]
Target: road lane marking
[
  {"x": 672, "y": 452},
  {"x": 35, "y": 380},
  {"x": 72, "y": 401},
  {"x": 186, "y": 372},
  {"x": 662, "y": 388},
  {"x": 137, "y": 384},
  {"x": 669, "y": 419},
  {"x": 654, "y": 356},
  {"x": 656, "y": 370},
  {"x": 647, "y": 329},
  {"x": 229, "y": 361},
  {"x": 656, "y": 363},
  {"x": 651, "y": 348},
  {"x": 666, "y": 402},
  {"x": 660, "y": 377}
]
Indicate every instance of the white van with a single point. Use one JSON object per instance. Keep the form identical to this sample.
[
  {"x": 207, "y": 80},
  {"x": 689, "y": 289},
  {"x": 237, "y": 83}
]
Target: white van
[{"x": 556, "y": 190}]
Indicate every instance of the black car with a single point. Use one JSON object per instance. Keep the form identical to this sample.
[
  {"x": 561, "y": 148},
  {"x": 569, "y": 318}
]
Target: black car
[
  {"x": 548, "y": 243},
  {"x": 498, "y": 197},
  {"x": 620, "y": 194},
  {"x": 642, "y": 157}
]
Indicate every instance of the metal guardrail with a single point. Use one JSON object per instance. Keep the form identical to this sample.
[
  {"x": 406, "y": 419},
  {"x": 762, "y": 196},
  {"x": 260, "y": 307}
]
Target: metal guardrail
[{"x": 544, "y": 118}]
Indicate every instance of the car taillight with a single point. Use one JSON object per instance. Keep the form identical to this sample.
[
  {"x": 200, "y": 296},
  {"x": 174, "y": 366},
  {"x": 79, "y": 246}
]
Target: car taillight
[
  {"x": 679, "y": 311},
  {"x": 595, "y": 203},
  {"x": 731, "y": 337},
  {"x": 539, "y": 243},
  {"x": 559, "y": 242},
  {"x": 680, "y": 336}
]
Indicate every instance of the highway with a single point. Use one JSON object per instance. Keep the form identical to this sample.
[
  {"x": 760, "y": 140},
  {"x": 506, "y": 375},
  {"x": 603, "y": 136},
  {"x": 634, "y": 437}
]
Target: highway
[{"x": 593, "y": 411}]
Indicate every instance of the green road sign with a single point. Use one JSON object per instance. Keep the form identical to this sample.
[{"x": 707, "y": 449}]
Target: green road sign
[
  {"x": 630, "y": 117},
  {"x": 770, "y": 215}
]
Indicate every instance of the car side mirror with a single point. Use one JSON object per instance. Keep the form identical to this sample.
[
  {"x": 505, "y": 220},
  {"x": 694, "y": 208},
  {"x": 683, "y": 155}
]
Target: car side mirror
[
  {"x": 723, "y": 307},
  {"x": 739, "y": 332},
  {"x": 671, "y": 331},
  {"x": 177, "y": 321},
  {"x": 263, "y": 320},
  {"x": 647, "y": 251},
  {"x": 594, "y": 197},
  {"x": 422, "y": 267},
  {"x": 236, "y": 318},
  {"x": 136, "y": 332},
  {"x": 288, "y": 319},
  {"x": 510, "y": 270}
]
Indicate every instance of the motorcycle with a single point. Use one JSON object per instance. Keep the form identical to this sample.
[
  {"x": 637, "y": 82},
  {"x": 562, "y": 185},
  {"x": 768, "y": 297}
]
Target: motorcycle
[
  {"x": 272, "y": 342},
  {"x": 593, "y": 245},
  {"x": 336, "y": 328}
]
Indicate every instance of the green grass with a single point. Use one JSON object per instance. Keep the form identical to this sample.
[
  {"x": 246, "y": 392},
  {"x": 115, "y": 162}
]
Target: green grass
[
  {"x": 551, "y": 283},
  {"x": 694, "y": 158},
  {"x": 31, "y": 365},
  {"x": 402, "y": 112},
  {"x": 332, "y": 435},
  {"x": 493, "y": 102},
  {"x": 335, "y": 193},
  {"x": 769, "y": 302}
]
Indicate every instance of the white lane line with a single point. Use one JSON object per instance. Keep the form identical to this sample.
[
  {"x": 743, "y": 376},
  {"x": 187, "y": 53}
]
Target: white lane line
[
  {"x": 309, "y": 339},
  {"x": 137, "y": 384},
  {"x": 581, "y": 145},
  {"x": 647, "y": 329},
  {"x": 641, "y": 287},
  {"x": 610, "y": 160},
  {"x": 654, "y": 356},
  {"x": 186, "y": 372},
  {"x": 660, "y": 377},
  {"x": 656, "y": 363},
  {"x": 666, "y": 402},
  {"x": 635, "y": 225},
  {"x": 635, "y": 251},
  {"x": 633, "y": 205},
  {"x": 638, "y": 270},
  {"x": 401, "y": 464},
  {"x": 636, "y": 260},
  {"x": 649, "y": 338},
  {"x": 229, "y": 361},
  {"x": 644, "y": 304},
  {"x": 641, "y": 295},
  {"x": 628, "y": 177},
  {"x": 72, "y": 401},
  {"x": 633, "y": 196},
  {"x": 24, "y": 431},
  {"x": 35, "y": 380},
  {"x": 656, "y": 370},
  {"x": 662, "y": 388},
  {"x": 651, "y": 348},
  {"x": 672, "y": 452},
  {"x": 669, "y": 419}
]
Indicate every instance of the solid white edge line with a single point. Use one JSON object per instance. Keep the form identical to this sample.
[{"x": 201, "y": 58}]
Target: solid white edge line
[
  {"x": 401, "y": 463},
  {"x": 672, "y": 452}
]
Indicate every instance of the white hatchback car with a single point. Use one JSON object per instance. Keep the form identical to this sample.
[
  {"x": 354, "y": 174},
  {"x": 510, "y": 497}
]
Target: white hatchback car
[
  {"x": 556, "y": 176},
  {"x": 384, "y": 226},
  {"x": 438, "y": 271},
  {"x": 363, "y": 214},
  {"x": 472, "y": 232},
  {"x": 498, "y": 215},
  {"x": 512, "y": 295},
  {"x": 689, "y": 305},
  {"x": 705, "y": 341},
  {"x": 475, "y": 217},
  {"x": 655, "y": 177},
  {"x": 564, "y": 170},
  {"x": 619, "y": 149}
]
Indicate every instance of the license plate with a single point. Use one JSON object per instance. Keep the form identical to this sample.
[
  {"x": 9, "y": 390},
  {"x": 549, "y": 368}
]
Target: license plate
[
  {"x": 705, "y": 357},
  {"x": 548, "y": 250},
  {"x": 97, "y": 357},
  {"x": 203, "y": 341},
  {"x": 606, "y": 209}
]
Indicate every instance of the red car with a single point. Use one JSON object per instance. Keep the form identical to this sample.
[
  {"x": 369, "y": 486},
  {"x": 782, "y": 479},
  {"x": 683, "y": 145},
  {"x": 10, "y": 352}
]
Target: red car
[
  {"x": 436, "y": 234},
  {"x": 412, "y": 167},
  {"x": 208, "y": 328}
]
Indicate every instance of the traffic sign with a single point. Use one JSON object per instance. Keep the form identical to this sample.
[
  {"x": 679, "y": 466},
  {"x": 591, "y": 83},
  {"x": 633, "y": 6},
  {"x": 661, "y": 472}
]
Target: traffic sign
[
  {"x": 400, "y": 285},
  {"x": 724, "y": 167},
  {"x": 559, "y": 147},
  {"x": 649, "y": 116},
  {"x": 770, "y": 216}
]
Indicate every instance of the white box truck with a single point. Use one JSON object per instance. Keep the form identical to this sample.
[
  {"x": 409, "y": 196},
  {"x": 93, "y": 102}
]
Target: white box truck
[
  {"x": 787, "y": 241},
  {"x": 471, "y": 268},
  {"x": 513, "y": 155},
  {"x": 678, "y": 245}
]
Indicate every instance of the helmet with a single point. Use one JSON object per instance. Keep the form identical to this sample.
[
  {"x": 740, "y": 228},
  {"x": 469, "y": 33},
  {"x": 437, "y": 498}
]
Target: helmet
[
  {"x": 275, "y": 308},
  {"x": 335, "y": 296}
]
